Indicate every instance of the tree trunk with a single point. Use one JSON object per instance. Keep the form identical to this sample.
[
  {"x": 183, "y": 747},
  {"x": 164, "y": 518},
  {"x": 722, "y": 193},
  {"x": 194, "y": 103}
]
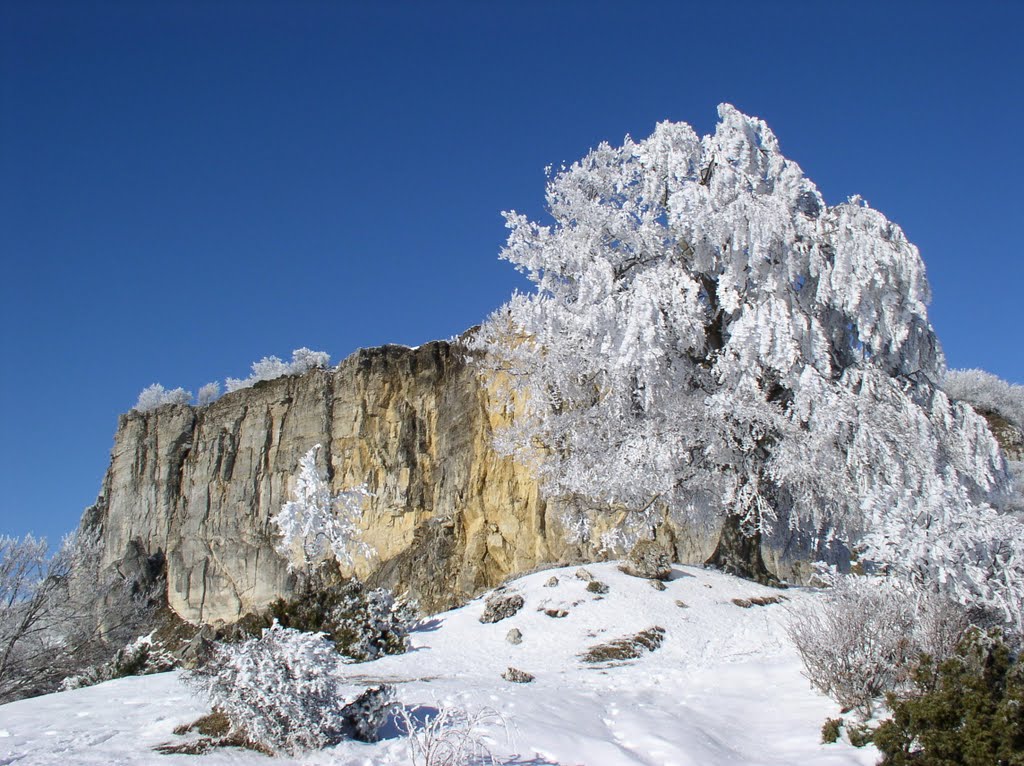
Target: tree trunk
[{"x": 739, "y": 553}]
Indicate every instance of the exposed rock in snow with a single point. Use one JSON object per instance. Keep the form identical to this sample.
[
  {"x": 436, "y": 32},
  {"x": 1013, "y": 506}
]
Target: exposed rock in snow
[
  {"x": 649, "y": 560},
  {"x": 501, "y": 606},
  {"x": 517, "y": 676}
]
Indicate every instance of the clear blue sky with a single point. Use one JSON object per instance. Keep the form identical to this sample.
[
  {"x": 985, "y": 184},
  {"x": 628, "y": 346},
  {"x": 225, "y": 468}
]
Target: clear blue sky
[{"x": 186, "y": 187}]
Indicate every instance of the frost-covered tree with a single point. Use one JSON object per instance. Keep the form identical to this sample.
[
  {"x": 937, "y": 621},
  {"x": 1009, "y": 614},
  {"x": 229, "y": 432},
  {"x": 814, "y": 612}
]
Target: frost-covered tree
[
  {"x": 156, "y": 395},
  {"x": 317, "y": 525},
  {"x": 48, "y": 628},
  {"x": 707, "y": 335},
  {"x": 208, "y": 393},
  {"x": 987, "y": 393},
  {"x": 27, "y": 581},
  {"x": 270, "y": 367}
]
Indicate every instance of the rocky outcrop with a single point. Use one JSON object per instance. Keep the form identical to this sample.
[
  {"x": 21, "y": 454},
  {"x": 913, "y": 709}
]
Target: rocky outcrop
[{"x": 196, "y": 487}]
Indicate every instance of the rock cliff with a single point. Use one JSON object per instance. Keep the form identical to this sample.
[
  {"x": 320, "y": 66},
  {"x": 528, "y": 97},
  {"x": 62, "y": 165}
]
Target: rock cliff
[{"x": 195, "y": 487}]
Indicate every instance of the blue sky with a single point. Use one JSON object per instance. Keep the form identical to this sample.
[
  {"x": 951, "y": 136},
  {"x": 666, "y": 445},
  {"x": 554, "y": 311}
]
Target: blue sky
[{"x": 187, "y": 187}]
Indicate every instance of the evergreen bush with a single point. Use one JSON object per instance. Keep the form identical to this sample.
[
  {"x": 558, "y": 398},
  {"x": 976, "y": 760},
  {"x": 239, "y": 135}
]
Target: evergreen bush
[
  {"x": 364, "y": 624},
  {"x": 965, "y": 711}
]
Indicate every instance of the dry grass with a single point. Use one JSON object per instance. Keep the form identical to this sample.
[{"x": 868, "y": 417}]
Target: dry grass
[
  {"x": 625, "y": 648},
  {"x": 216, "y": 730},
  {"x": 746, "y": 603}
]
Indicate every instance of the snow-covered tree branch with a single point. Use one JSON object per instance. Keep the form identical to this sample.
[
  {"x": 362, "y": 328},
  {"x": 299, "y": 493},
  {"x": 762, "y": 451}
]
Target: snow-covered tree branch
[{"x": 47, "y": 627}]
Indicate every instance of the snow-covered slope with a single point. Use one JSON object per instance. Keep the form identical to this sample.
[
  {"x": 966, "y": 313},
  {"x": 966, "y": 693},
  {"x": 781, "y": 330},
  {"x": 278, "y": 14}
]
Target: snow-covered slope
[{"x": 723, "y": 689}]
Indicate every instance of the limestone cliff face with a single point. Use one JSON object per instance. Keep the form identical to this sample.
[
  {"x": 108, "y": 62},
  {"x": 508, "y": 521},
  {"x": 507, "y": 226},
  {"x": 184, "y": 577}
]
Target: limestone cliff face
[
  {"x": 201, "y": 484},
  {"x": 448, "y": 516}
]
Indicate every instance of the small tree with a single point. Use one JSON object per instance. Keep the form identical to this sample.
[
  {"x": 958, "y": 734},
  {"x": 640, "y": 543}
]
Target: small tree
[
  {"x": 208, "y": 393},
  {"x": 317, "y": 525},
  {"x": 48, "y": 629},
  {"x": 156, "y": 395},
  {"x": 28, "y": 581}
]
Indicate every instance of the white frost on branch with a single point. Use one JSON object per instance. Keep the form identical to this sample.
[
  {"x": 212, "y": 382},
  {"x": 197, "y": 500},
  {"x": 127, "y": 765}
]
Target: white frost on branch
[
  {"x": 985, "y": 391},
  {"x": 270, "y": 367},
  {"x": 208, "y": 394},
  {"x": 156, "y": 395},
  {"x": 317, "y": 525}
]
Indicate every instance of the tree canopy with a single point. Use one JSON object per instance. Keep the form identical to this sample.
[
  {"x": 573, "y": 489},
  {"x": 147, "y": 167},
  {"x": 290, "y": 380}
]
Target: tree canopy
[{"x": 707, "y": 332}]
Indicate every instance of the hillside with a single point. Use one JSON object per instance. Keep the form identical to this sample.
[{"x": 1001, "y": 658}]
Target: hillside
[{"x": 724, "y": 688}]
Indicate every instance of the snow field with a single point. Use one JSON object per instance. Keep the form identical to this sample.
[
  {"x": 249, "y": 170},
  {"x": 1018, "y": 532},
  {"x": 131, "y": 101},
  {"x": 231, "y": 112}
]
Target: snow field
[{"x": 724, "y": 689}]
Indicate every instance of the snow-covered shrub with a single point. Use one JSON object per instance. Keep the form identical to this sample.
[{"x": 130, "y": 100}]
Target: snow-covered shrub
[
  {"x": 861, "y": 639},
  {"x": 987, "y": 392},
  {"x": 208, "y": 393},
  {"x": 318, "y": 525},
  {"x": 857, "y": 642},
  {"x": 447, "y": 736},
  {"x": 270, "y": 367},
  {"x": 281, "y": 692},
  {"x": 940, "y": 625},
  {"x": 363, "y": 624},
  {"x": 156, "y": 395},
  {"x": 141, "y": 657}
]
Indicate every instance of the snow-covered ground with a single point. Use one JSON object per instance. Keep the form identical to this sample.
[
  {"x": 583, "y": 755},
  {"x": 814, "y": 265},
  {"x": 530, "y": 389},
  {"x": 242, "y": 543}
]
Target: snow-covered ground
[{"x": 724, "y": 688}]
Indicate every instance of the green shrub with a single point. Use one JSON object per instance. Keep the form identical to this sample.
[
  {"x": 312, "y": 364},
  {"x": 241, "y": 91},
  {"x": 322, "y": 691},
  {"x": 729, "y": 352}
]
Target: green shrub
[
  {"x": 363, "y": 624},
  {"x": 966, "y": 711},
  {"x": 860, "y": 735},
  {"x": 830, "y": 730}
]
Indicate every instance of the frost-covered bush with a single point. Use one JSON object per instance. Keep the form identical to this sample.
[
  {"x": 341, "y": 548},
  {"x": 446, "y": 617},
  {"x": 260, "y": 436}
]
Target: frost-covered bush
[
  {"x": 985, "y": 391},
  {"x": 141, "y": 657},
  {"x": 363, "y": 624},
  {"x": 859, "y": 641},
  {"x": 270, "y": 367},
  {"x": 856, "y": 643},
  {"x": 281, "y": 692},
  {"x": 208, "y": 393},
  {"x": 447, "y": 736},
  {"x": 317, "y": 525},
  {"x": 156, "y": 395}
]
